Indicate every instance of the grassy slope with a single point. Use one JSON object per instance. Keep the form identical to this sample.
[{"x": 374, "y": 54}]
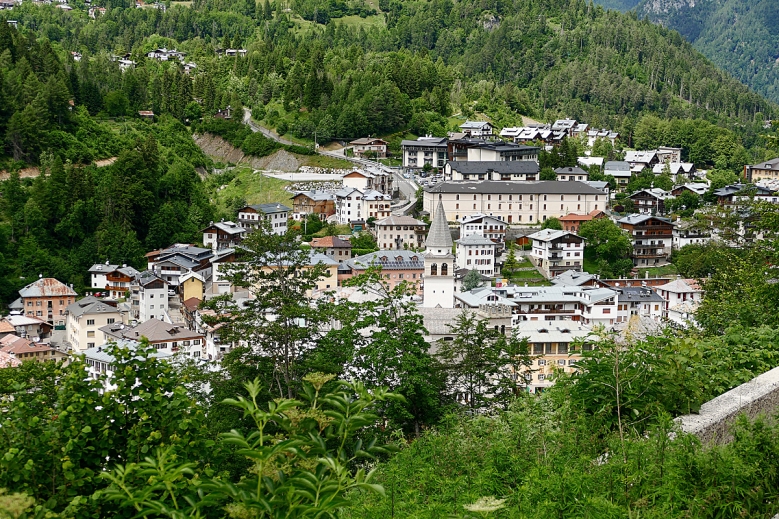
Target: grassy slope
[{"x": 255, "y": 188}]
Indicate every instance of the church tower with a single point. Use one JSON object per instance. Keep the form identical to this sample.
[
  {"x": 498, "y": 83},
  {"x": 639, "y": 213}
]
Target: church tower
[{"x": 439, "y": 263}]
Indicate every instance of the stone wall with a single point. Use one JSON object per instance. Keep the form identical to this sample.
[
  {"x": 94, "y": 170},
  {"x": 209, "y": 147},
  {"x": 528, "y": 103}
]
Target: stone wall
[{"x": 714, "y": 422}]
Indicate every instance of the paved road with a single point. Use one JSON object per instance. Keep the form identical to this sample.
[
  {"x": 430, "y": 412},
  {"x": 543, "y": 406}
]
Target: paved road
[
  {"x": 247, "y": 119},
  {"x": 407, "y": 188}
]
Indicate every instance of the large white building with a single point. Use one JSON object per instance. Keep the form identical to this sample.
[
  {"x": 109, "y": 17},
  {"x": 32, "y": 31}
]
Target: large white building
[
  {"x": 556, "y": 251},
  {"x": 354, "y": 205},
  {"x": 682, "y": 297},
  {"x": 439, "y": 263},
  {"x": 515, "y": 202},
  {"x": 400, "y": 232},
  {"x": 149, "y": 297},
  {"x": 483, "y": 225},
  {"x": 84, "y": 318},
  {"x": 475, "y": 252},
  {"x": 424, "y": 150},
  {"x": 252, "y": 216}
]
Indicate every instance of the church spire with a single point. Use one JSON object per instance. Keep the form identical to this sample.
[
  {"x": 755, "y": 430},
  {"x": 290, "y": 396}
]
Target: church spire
[{"x": 439, "y": 236}]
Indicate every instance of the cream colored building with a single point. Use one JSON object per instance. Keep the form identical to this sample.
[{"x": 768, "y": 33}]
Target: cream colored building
[
  {"x": 83, "y": 322},
  {"x": 515, "y": 202}
]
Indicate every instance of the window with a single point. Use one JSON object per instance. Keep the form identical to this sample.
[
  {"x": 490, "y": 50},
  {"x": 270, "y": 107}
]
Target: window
[
  {"x": 541, "y": 377},
  {"x": 91, "y": 334},
  {"x": 90, "y": 322},
  {"x": 542, "y": 362},
  {"x": 561, "y": 362}
]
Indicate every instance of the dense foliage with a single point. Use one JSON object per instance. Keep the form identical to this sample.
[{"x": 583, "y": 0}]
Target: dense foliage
[
  {"x": 408, "y": 67},
  {"x": 736, "y": 35},
  {"x": 71, "y": 216}
]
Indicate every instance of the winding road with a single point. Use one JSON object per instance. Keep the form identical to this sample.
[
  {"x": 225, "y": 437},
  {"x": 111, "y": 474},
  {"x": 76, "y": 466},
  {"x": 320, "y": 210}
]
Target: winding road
[{"x": 407, "y": 188}]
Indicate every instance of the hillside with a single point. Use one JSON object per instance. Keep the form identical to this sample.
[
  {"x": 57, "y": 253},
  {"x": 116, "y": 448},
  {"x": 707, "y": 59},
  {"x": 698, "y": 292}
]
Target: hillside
[
  {"x": 331, "y": 70},
  {"x": 740, "y": 36}
]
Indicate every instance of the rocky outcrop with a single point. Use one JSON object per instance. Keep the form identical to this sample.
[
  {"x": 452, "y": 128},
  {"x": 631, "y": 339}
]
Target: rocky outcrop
[{"x": 218, "y": 148}]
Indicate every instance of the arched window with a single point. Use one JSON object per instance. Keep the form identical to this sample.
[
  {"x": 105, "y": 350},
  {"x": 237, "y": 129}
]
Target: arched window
[
  {"x": 434, "y": 269},
  {"x": 444, "y": 269}
]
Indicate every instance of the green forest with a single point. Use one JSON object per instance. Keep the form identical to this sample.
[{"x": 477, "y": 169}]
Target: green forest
[
  {"x": 326, "y": 69},
  {"x": 738, "y": 36},
  {"x": 284, "y": 429}
]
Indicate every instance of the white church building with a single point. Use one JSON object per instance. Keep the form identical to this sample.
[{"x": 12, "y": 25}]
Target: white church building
[{"x": 439, "y": 263}]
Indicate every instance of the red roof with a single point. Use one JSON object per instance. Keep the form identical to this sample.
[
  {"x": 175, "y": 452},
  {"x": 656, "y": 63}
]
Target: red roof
[
  {"x": 192, "y": 303},
  {"x": 6, "y": 327},
  {"x": 329, "y": 242}
]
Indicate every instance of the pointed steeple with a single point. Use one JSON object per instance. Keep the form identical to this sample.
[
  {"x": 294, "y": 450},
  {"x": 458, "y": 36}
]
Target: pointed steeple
[{"x": 439, "y": 236}]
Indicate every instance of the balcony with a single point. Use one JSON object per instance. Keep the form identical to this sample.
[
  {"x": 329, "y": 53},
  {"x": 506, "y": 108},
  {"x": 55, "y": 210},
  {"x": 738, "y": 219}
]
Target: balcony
[
  {"x": 651, "y": 253},
  {"x": 556, "y": 311}
]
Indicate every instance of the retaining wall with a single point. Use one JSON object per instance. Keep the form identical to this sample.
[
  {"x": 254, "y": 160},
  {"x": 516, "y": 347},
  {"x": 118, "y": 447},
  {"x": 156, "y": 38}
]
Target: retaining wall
[{"x": 714, "y": 423}]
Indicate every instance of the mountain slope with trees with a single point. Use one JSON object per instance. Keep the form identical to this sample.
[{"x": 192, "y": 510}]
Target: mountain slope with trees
[{"x": 740, "y": 36}]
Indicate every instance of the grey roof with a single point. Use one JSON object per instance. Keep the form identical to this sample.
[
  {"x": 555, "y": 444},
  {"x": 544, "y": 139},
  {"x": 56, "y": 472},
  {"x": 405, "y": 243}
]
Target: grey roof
[
  {"x": 180, "y": 260},
  {"x": 600, "y": 185},
  {"x": 89, "y": 305},
  {"x": 552, "y": 331},
  {"x": 635, "y": 219},
  {"x": 271, "y": 208},
  {"x": 638, "y": 294},
  {"x": 475, "y": 239},
  {"x": 769, "y": 164},
  {"x": 616, "y": 165},
  {"x": 228, "y": 227},
  {"x": 550, "y": 235},
  {"x": 399, "y": 220},
  {"x": 575, "y": 170},
  {"x": 395, "y": 260},
  {"x": 100, "y": 353},
  {"x": 153, "y": 329},
  {"x": 102, "y": 268},
  {"x": 572, "y": 278},
  {"x": 655, "y": 192},
  {"x": 475, "y": 125},
  {"x": 472, "y": 167},
  {"x": 439, "y": 235},
  {"x": 147, "y": 276},
  {"x": 316, "y": 195},
  {"x": 426, "y": 142},
  {"x": 542, "y": 187},
  {"x": 482, "y": 296}
]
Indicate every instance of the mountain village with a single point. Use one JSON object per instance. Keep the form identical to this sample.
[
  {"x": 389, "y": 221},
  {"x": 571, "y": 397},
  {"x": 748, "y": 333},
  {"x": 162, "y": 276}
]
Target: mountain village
[{"x": 482, "y": 207}]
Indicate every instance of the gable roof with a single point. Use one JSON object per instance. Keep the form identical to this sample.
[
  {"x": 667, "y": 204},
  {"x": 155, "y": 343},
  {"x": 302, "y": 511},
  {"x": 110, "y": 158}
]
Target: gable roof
[
  {"x": 153, "y": 329},
  {"x": 47, "y": 287},
  {"x": 474, "y": 125},
  {"x": 89, "y": 305},
  {"x": 620, "y": 167},
  {"x": 636, "y": 219},
  {"x": 399, "y": 220},
  {"x": 543, "y": 187},
  {"x": 681, "y": 286},
  {"x": 330, "y": 242},
  {"x": 270, "y": 208},
  {"x": 551, "y": 235},
  {"x": 575, "y": 170},
  {"x": 395, "y": 260},
  {"x": 475, "y": 239},
  {"x": 769, "y": 164},
  {"x": 317, "y": 196},
  {"x": 228, "y": 227},
  {"x": 473, "y": 167}
]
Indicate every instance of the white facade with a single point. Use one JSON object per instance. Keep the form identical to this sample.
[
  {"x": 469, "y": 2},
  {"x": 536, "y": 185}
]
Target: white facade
[
  {"x": 424, "y": 150},
  {"x": 149, "y": 298},
  {"x": 84, "y": 318},
  {"x": 252, "y": 216},
  {"x": 682, "y": 298},
  {"x": 353, "y": 205},
  {"x": 556, "y": 251},
  {"x": 483, "y": 225},
  {"x": 515, "y": 202},
  {"x": 475, "y": 252},
  {"x": 439, "y": 264}
]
